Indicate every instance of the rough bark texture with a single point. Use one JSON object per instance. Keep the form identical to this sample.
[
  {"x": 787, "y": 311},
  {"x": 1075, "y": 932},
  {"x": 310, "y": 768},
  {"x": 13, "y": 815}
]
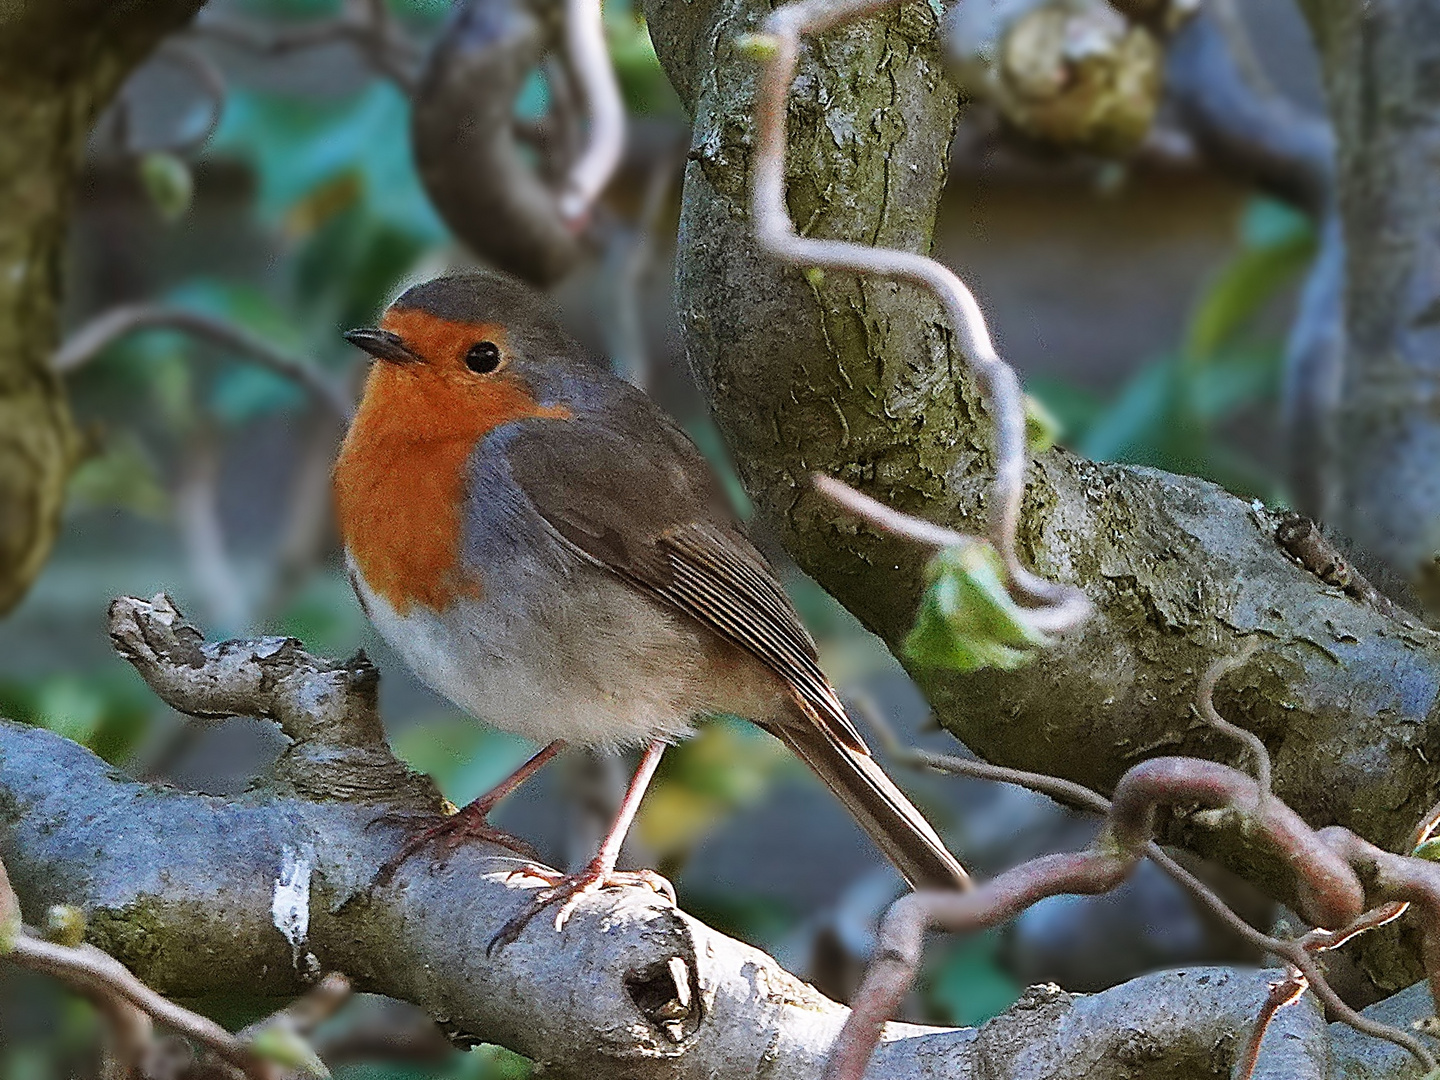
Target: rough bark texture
[
  {"x": 602, "y": 999},
  {"x": 857, "y": 378},
  {"x": 60, "y": 62},
  {"x": 1381, "y": 62},
  {"x": 630, "y": 988}
]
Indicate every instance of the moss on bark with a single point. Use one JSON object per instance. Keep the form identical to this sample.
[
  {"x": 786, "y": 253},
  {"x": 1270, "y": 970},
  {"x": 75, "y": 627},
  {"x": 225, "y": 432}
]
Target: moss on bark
[{"x": 60, "y": 62}]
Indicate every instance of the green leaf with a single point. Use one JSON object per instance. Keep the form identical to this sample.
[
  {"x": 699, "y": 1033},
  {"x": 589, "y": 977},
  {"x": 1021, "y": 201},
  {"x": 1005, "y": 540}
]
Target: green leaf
[
  {"x": 64, "y": 925},
  {"x": 284, "y": 1046},
  {"x": 168, "y": 182},
  {"x": 967, "y": 619},
  {"x": 1042, "y": 428},
  {"x": 643, "y": 83},
  {"x": 1242, "y": 288},
  {"x": 1267, "y": 222},
  {"x": 122, "y": 476},
  {"x": 970, "y": 985},
  {"x": 1429, "y": 850},
  {"x": 1136, "y": 417}
]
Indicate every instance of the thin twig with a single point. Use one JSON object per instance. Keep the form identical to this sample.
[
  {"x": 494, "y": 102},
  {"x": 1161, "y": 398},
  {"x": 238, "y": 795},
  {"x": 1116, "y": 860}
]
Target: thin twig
[
  {"x": 1063, "y": 791},
  {"x": 196, "y": 505},
  {"x": 1296, "y": 952},
  {"x": 589, "y": 61},
  {"x": 1283, "y": 992},
  {"x": 629, "y": 350},
  {"x": 1062, "y": 607},
  {"x": 1205, "y": 698},
  {"x": 105, "y": 329},
  {"x": 211, "y": 79},
  {"x": 87, "y": 968}
]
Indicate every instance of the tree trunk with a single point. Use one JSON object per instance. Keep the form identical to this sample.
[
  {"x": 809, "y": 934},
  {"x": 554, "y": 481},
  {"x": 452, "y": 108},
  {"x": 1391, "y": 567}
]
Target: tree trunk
[
  {"x": 60, "y": 62},
  {"x": 1382, "y": 71}
]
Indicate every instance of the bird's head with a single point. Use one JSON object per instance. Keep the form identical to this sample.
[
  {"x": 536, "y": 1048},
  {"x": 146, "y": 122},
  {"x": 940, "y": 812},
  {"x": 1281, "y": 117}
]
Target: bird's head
[{"x": 465, "y": 353}]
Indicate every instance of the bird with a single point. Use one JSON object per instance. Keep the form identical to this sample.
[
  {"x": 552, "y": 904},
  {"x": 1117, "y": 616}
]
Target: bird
[{"x": 545, "y": 547}]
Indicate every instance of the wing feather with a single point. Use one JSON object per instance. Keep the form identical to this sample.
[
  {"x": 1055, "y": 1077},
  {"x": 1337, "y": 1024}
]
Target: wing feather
[{"x": 651, "y": 511}]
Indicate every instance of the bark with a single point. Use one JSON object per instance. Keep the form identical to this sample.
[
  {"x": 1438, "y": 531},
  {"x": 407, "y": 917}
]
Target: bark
[
  {"x": 630, "y": 988},
  {"x": 60, "y": 62},
  {"x": 858, "y": 378},
  {"x": 1380, "y": 61}
]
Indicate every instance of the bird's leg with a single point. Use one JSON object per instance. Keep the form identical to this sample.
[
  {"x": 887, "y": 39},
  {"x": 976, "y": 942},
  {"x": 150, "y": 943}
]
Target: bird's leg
[
  {"x": 471, "y": 822},
  {"x": 568, "y": 889}
]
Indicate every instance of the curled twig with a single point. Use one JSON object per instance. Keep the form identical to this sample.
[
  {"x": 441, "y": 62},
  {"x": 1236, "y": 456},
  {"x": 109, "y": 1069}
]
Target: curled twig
[
  {"x": 589, "y": 60},
  {"x": 466, "y": 149},
  {"x": 1058, "y": 607},
  {"x": 1146, "y": 788},
  {"x": 105, "y": 329},
  {"x": 1205, "y": 698}
]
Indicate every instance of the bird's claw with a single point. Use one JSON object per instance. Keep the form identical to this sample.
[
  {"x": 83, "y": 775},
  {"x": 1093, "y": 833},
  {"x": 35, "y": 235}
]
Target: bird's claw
[
  {"x": 451, "y": 831},
  {"x": 568, "y": 890}
]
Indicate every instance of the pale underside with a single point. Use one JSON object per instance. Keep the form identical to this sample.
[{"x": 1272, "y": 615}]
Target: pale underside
[{"x": 582, "y": 656}]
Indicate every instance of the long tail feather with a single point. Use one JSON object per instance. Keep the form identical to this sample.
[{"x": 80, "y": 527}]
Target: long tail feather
[{"x": 881, "y": 808}]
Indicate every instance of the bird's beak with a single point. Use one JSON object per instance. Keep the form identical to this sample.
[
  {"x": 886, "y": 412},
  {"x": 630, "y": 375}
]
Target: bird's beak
[{"x": 381, "y": 344}]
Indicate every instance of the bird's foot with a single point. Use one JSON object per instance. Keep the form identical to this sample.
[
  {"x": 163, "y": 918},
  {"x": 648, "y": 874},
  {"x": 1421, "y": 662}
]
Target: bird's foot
[
  {"x": 468, "y": 823},
  {"x": 567, "y": 890}
]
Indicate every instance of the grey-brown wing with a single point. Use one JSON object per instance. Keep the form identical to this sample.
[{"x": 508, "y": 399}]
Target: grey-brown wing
[{"x": 648, "y": 507}]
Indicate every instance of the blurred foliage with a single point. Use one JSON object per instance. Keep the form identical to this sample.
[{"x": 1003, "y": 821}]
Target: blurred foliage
[
  {"x": 466, "y": 759},
  {"x": 482, "y": 1063},
  {"x": 964, "y": 983},
  {"x": 1173, "y": 412},
  {"x": 702, "y": 781},
  {"x": 109, "y": 711}
]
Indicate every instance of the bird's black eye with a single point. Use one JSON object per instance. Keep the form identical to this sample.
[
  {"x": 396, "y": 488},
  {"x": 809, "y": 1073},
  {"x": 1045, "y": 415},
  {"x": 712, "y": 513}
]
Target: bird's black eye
[{"x": 483, "y": 357}]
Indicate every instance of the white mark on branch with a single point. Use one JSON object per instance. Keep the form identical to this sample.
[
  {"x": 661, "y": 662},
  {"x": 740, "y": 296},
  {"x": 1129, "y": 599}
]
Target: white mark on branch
[{"x": 290, "y": 903}]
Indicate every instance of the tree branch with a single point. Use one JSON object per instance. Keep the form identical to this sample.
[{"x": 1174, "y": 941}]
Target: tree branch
[
  {"x": 1377, "y": 59},
  {"x": 631, "y": 988},
  {"x": 862, "y": 379},
  {"x": 110, "y": 326}
]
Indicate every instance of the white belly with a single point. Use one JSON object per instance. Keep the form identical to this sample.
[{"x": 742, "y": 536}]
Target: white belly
[{"x": 591, "y": 660}]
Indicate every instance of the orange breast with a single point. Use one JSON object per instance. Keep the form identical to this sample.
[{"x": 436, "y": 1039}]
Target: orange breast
[{"x": 400, "y": 480}]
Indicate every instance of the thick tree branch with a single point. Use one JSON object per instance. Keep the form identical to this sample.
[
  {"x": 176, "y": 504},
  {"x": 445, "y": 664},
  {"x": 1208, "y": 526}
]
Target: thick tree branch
[
  {"x": 1378, "y": 60},
  {"x": 860, "y": 378},
  {"x": 632, "y": 987}
]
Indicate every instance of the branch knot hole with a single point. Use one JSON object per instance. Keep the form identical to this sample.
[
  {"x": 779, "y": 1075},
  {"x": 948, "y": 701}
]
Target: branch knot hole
[{"x": 667, "y": 993}]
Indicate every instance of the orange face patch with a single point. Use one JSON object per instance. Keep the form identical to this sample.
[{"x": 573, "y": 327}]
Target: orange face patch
[{"x": 400, "y": 477}]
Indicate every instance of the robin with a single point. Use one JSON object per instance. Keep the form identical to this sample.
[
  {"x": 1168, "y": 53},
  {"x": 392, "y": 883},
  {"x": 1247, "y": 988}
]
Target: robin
[{"x": 547, "y": 549}]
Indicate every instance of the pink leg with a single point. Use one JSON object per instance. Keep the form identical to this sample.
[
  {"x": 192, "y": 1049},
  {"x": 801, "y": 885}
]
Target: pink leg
[
  {"x": 600, "y": 873},
  {"x": 472, "y": 821}
]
